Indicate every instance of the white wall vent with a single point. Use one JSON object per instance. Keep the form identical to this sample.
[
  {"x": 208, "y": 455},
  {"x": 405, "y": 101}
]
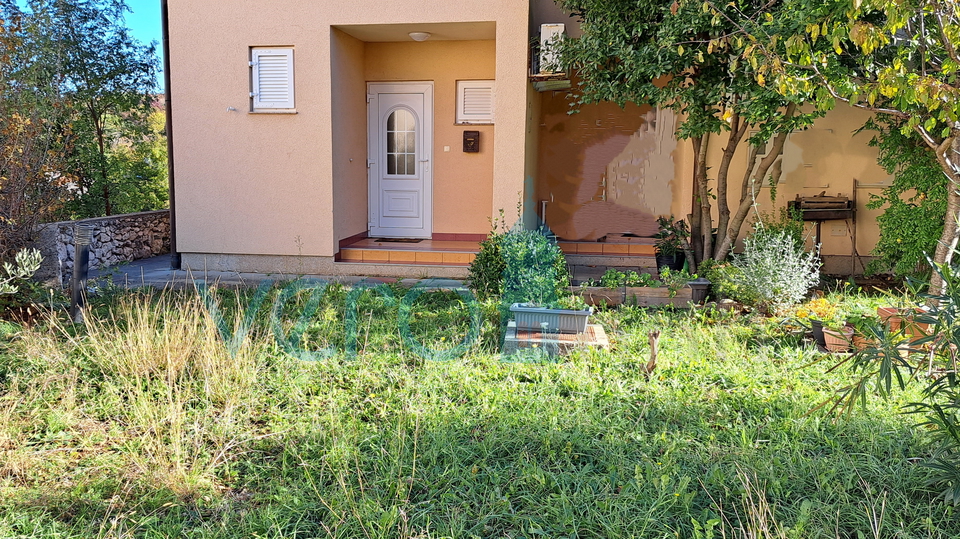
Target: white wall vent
[{"x": 475, "y": 101}]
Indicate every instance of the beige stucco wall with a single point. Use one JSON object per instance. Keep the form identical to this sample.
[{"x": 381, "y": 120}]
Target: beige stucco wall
[
  {"x": 829, "y": 156},
  {"x": 607, "y": 170},
  {"x": 462, "y": 182},
  {"x": 265, "y": 183},
  {"x": 349, "y": 121}
]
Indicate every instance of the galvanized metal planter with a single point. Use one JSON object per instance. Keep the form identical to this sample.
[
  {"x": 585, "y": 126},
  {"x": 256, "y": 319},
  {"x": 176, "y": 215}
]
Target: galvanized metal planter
[{"x": 530, "y": 317}]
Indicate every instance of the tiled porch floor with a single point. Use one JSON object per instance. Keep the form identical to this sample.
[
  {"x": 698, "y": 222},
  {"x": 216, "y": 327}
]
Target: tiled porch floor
[
  {"x": 424, "y": 252},
  {"x": 462, "y": 253}
]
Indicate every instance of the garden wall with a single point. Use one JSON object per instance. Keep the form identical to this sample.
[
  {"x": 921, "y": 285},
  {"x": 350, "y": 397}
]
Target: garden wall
[{"x": 115, "y": 239}]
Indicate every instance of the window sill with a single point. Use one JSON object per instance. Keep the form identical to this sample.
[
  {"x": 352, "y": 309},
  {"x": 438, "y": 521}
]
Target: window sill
[
  {"x": 285, "y": 111},
  {"x": 468, "y": 124}
]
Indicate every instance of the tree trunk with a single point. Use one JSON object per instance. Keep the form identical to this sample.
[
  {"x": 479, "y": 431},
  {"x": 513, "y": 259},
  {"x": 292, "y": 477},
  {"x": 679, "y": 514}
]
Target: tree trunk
[
  {"x": 948, "y": 155},
  {"x": 749, "y": 186},
  {"x": 703, "y": 195},
  {"x": 737, "y": 131},
  {"x": 694, "y": 217}
]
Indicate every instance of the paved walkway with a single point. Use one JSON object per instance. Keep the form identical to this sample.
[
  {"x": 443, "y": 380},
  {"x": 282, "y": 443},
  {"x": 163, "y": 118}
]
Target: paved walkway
[{"x": 156, "y": 272}]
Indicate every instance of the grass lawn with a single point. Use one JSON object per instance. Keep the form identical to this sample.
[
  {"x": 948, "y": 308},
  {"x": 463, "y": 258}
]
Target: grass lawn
[{"x": 142, "y": 424}]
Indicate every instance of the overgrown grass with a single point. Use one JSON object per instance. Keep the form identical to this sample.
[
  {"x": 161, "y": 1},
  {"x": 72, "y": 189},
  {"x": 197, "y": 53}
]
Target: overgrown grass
[{"x": 142, "y": 424}]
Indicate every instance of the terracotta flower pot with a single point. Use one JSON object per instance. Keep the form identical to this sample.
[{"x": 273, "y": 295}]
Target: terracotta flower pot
[
  {"x": 862, "y": 343},
  {"x": 838, "y": 340},
  {"x": 897, "y": 318}
]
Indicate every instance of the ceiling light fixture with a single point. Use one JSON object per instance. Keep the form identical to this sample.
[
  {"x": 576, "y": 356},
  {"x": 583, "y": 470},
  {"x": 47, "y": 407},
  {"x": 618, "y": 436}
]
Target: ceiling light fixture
[{"x": 419, "y": 36}]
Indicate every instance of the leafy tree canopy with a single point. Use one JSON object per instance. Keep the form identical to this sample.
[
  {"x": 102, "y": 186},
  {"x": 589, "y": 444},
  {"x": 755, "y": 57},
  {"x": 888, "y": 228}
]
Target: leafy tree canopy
[
  {"x": 80, "y": 53},
  {"x": 687, "y": 56},
  {"x": 896, "y": 57}
]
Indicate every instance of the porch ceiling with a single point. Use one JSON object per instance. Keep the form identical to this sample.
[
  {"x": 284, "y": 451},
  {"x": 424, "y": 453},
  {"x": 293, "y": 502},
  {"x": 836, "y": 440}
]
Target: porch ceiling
[{"x": 444, "y": 31}]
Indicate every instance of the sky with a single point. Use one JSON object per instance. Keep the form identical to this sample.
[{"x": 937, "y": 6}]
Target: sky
[{"x": 144, "y": 24}]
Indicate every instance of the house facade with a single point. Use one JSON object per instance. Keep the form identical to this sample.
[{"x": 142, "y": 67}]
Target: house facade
[{"x": 302, "y": 129}]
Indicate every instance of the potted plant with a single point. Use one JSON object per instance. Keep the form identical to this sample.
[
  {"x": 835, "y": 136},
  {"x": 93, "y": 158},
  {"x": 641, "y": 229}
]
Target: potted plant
[
  {"x": 673, "y": 241},
  {"x": 823, "y": 317},
  {"x": 838, "y": 339},
  {"x": 907, "y": 320},
  {"x": 865, "y": 329}
]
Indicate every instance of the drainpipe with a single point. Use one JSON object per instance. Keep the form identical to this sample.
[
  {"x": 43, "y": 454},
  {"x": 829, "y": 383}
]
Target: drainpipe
[{"x": 165, "y": 23}]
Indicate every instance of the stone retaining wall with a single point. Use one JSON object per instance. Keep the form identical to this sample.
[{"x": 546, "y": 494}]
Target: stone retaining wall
[{"x": 115, "y": 239}]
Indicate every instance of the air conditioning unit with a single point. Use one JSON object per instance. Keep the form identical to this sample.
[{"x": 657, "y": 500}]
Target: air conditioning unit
[{"x": 550, "y": 36}]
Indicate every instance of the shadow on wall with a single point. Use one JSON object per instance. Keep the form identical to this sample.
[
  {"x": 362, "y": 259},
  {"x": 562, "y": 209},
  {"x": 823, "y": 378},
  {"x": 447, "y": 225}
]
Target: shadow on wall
[{"x": 606, "y": 169}]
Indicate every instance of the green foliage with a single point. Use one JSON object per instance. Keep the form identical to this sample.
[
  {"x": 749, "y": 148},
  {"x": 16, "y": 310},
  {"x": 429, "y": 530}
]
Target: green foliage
[
  {"x": 724, "y": 279},
  {"x": 787, "y": 222},
  {"x": 675, "y": 280},
  {"x": 160, "y": 433},
  {"x": 774, "y": 271},
  {"x": 80, "y": 59},
  {"x": 33, "y": 146},
  {"x": 535, "y": 268},
  {"x": 631, "y": 51},
  {"x": 529, "y": 260},
  {"x": 137, "y": 168},
  {"x": 486, "y": 270},
  {"x": 685, "y": 56},
  {"x": 614, "y": 278},
  {"x": 908, "y": 234},
  {"x": 894, "y": 58},
  {"x": 899, "y": 359},
  {"x": 673, "y": 237},
  {"x": 25, "y": 264}
]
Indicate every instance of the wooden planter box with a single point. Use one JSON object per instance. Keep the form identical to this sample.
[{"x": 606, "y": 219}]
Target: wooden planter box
[
  {"x": 642, "y": 296},
  {"x": 598, "y": 295}
]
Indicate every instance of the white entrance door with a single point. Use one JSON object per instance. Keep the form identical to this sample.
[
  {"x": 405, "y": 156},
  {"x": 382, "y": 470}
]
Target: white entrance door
[{"x": 400, "y": 144}]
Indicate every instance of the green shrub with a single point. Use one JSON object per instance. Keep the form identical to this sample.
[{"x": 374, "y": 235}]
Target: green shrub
[
  {"x": 897, "y": 359},
  {"x": 724, "y": 279},
  {"x": 774, "y": 271},
  {"x": 913, "y": 204},
  {"x": 535, "y": 269},
  {"x": 486, "y": 270},
  {"x": 26, "y": 263},
  {"x": 538, "y": 264},
  {"x": 17, "y": 290},
  {"x": 614, "y": 278}
]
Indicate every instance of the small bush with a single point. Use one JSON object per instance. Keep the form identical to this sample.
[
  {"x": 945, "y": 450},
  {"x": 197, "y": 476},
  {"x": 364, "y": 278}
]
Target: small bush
[
  {"x": 486, "y": 270},
  {"x": 774, "y": 270},
  {"x": 723, "y": 277},
  {"x": 535, "y": 269},
  {"x": 26, "y": 263},
  {"x": 17, "y": 291},
  {"x": 537, "y": 261}
]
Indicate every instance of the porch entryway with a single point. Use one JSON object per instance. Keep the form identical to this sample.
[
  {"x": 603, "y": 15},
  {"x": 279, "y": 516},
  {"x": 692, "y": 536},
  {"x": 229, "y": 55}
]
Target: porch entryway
[{"x": 400, "y": 131}]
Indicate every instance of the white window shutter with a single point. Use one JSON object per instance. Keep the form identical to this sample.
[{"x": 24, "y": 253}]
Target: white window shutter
[
  {"x": 272, "y": 78},
  {"x": 475, "y": 101}
]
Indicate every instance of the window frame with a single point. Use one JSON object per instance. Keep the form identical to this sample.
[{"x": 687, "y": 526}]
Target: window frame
[{"x": 287, "y": 105}]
